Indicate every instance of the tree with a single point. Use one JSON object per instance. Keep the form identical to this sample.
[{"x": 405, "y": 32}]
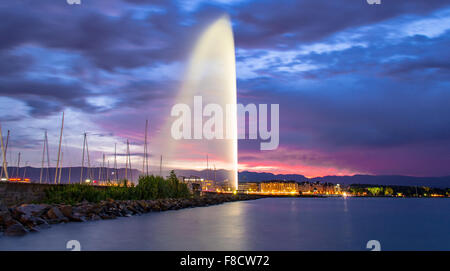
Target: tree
[
  {"x": 375, "y": 191},
  {"x": 388, "y": 191}
]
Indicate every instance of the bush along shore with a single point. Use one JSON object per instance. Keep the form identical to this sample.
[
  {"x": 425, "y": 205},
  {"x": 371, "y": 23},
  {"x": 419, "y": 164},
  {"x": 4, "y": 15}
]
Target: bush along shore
[{"x": 79, "y": 203}]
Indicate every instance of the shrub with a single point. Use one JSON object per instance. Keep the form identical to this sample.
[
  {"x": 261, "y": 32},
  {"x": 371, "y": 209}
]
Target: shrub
[{"x": 148, "y": 187}]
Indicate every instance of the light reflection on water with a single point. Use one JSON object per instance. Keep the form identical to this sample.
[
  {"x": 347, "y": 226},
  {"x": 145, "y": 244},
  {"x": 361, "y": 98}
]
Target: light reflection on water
[{"x": 265, "y": 224}]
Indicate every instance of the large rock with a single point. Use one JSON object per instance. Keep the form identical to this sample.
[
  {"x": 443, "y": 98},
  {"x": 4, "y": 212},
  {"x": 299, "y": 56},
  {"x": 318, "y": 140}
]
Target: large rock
[
  {"x": 77, "y": 217},
  {"x": 165, "y": 205},
  {"x": 32, "y": 222},
  {"x": 143, "y": 205},
  {"x": 5, "y": 215},
  {"x": 94, "y": 217},
  {"x": 107, "y": 216},
  {"x": 28, "y": 221},
  {"x": 132, "y": 210},
  {"x": 125, "y": 212},
  {"x": 137, "y": 207},
  {"x": 15, "y": 229},
  {"x": 95, "y": 209},
  {"x": 79, "y": 210},
  {"x": 41, "y": 223},
  {"x": 35, "y": 210},
  {"x": 66, "y": 210},
  {"x": 56, "y": 216}
]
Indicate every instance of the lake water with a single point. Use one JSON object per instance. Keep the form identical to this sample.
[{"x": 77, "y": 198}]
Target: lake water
[{"x": 264, "y": 224}]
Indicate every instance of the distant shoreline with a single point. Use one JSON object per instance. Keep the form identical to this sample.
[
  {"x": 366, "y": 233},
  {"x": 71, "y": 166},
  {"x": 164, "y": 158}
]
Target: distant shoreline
[
  {"x": 335, "y": 196},
  {"x": 249, "y": 176}
]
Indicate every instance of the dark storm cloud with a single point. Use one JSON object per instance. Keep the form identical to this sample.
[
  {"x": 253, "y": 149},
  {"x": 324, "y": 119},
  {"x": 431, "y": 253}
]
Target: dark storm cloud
[
  {"x": 373, "y": 113},
  {"x": 123, "y": 42},
  {"x": 13, "y": 64},
  {"x": 45, "y": 98},
  {"x": 140, "y": 93},
  {"x": 112, "y": 42},
  {"x": 151, "y": 2},
  {"x": 106, "y": 42},
  {"x": 109, "y": 42},
  {"x": 25, "y": 142},
  {"x": 401, "y": 130},
  {"x": 411, "y": 58},
  {"x": 379, "y": 96},
  {"x": 42, "y": 89},
  {"x": 269, "y": 24}
]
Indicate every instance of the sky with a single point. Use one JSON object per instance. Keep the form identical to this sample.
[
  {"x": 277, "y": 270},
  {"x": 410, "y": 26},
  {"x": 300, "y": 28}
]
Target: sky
[{"x": 362, "y": 89}]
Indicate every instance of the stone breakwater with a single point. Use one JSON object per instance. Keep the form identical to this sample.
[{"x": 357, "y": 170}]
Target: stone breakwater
[{"x": 21, "y": 219}]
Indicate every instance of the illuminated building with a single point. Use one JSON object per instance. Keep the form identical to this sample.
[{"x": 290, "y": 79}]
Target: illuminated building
[
  {"x": 248, "y": 187},
  {"x": 19, "y": 180},
  {"x": 279, "y": 187},
  {"x": 208, "y": 185},
  {"x": 320, "y": 188},
  {"x": 227, "y": 185},
  {"x": 199, "y": 183}
]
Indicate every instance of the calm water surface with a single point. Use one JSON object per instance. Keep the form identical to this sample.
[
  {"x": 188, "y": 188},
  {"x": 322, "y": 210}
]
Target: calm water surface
[{"x": 265, "y": 224}]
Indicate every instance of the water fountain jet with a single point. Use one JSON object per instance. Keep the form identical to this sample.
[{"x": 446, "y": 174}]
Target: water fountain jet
[{"x": 211, "y": 74}]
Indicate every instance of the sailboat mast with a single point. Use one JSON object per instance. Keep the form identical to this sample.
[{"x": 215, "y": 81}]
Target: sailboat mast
[
  {"x": 115, "y": 162},
  {"x": 160, "y": 166},
  {"x": 144, "y": 161},
  {"x": 99, "y": 171},
  {"x": 42, "y": 165},
  {"x": 103, "y": 168},
  {"x": 59, "y": 148},
  {"x": 129, "y": 159},
  {"x": 70, "y": 172},
  {"x": 4, "y": 168},
  {"x": 60, "y": 168},
  {"x": 89, "y": 160},
  {"x": 25, "y": 170},
  {"x": 48, "y": 159},
  {"x": 146, "y": 153},
  {"x": 82, "y": 158},
  {"x": 18, "y": 166},
  {"x": 107, "y": 172},
  {"x": 126, "y": 163},
  {"x": 4, "y": 149}
]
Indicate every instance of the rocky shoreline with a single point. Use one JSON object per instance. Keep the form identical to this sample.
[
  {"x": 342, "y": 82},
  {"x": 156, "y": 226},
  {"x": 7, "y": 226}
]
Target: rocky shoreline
[{"x": 25, "y": 218}]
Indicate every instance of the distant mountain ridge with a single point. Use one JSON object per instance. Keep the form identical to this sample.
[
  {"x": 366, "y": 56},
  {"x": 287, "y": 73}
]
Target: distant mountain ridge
[
  {"x": 437, "y": 182},
  {"x": 265, "y": 176},
  {"x": 248, "y": 176}
]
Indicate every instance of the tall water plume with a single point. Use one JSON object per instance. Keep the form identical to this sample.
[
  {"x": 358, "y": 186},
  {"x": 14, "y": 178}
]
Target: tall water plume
[{"x": 210, "y": 74}]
